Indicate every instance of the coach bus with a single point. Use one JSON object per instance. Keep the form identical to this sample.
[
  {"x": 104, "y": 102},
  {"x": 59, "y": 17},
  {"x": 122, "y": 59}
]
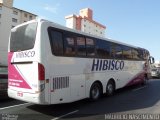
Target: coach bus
[{"x": 52, "y": 64}]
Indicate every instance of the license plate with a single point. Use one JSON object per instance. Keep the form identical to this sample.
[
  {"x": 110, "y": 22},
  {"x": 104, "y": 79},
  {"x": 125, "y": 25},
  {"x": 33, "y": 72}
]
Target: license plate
[{"x": 20, "y": 94}]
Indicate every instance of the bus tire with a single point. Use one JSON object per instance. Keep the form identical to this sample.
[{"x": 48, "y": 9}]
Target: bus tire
[
  {"x": 95, "y": 91},
  {"x": 110, "y": 88}
]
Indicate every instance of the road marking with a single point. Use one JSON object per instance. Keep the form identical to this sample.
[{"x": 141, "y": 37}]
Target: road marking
[
  {"x": 139, "y": 88},
  {"x": 70, "y": 113},
  {"x": 14, "y": 106}
]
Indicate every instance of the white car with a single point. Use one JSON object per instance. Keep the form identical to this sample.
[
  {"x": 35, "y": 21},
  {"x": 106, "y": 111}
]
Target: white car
[{"x": 155, "y": 72}]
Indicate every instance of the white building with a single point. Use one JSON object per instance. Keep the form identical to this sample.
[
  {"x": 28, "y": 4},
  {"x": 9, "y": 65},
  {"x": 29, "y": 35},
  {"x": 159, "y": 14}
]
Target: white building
[
  {"x": 9, "y": 18},
  {"x": 85, "y": 23}
]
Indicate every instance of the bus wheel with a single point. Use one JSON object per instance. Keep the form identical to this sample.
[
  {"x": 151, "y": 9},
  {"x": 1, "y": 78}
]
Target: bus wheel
[
  {"x": 95, "y": 91},
  {"x": 110, "y": 88}
]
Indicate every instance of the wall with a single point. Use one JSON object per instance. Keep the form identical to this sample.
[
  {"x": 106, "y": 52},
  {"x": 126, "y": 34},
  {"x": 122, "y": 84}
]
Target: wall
[
  {"x": 91, "y": 28},
  {"x": 5, "y": 28},
  {"x": 7, "y": 3},
  {"x": 71, "y": 21}
]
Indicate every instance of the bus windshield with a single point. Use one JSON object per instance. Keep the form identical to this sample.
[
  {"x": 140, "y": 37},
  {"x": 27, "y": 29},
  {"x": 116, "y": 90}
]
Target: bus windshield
[{"x": 23, "y": 38}]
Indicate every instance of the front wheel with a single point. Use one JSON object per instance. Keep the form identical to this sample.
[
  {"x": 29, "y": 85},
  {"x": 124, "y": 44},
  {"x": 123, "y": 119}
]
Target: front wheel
[{"x": 95, "y": 92}]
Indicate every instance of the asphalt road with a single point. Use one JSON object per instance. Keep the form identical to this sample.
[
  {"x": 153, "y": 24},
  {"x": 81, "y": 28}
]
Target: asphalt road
[{"x": 127, "y": 103}]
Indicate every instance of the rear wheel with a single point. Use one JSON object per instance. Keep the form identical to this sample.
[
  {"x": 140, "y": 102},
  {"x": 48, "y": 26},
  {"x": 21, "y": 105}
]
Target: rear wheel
[
  {"x": 110, "y": 88},
  {"x": 95, "y": 91}
]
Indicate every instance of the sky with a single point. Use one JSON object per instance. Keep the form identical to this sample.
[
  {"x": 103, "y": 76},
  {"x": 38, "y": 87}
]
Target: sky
[{"x": 135, "y": 22}]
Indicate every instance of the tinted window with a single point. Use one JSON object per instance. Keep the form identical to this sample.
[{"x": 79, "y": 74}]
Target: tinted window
[
  {"x": 90, "y": 46},
  {"x": 136, "y": 54},
  {"x": 103, "y": 49},
  {"x": 116, "y": 51},
  {"x": 141, "y": 54},
  {"x": 127, "y": 52},
  {"x": 69, "y": 45},
  {"x": 81, "y": 46},
  {"x": 146, "y": 54},
  {"x": 23, "y": 38},
  {"x": 119, "y": 52},
  {"x": 56, "y": 42}
]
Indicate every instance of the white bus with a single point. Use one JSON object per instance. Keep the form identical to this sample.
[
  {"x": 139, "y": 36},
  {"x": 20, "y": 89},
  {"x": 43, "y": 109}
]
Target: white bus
[{"x": 52, "y": 64}]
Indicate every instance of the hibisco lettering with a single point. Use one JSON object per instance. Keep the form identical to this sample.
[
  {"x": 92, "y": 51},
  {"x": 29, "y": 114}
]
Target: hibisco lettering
[
  {"x": 101, "y": 65},
  {"x": 25, "y": 54}
]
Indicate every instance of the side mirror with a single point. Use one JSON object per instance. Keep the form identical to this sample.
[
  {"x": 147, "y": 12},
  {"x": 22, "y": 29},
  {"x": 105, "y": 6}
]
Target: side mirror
[{"x": 151, "y": 60}]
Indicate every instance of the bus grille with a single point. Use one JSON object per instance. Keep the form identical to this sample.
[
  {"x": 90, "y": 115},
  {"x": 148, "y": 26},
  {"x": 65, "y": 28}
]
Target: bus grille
[{"x": 60, "y": 82}]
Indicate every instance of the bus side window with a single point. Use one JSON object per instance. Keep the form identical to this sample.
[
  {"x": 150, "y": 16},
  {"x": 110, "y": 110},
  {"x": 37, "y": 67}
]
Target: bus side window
[
  {"x": 81, "y": 46},
  {"x": 69, "y": 46},
  {"x": 135, "y": 54},
  {"x": 127, "y": 52},
  {"x": 103, "y": 49},
  {"x": 119, "y": 52},
  {"x": 145, "y": 55},
  {"x": 116, "y": 51},
  {"x": 140, "y": 54},
  {"x": 56, "y": 42},
  {"x": 90, "y": 47}
]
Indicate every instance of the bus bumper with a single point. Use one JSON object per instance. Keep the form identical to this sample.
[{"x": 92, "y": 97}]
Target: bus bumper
[{"x": 26, "y": 97}]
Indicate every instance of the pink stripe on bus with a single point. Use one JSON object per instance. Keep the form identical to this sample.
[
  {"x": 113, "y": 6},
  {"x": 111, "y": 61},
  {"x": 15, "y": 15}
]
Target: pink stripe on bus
[{"x": 15, "y": 79}]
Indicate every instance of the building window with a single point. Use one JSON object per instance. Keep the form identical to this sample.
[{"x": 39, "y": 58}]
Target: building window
[
  {"x": 0, "y": 15},
  {"x": 25, "y": 15},
  {"x": 15, "y": 12},
  {"x": 14, "y": 20}
]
